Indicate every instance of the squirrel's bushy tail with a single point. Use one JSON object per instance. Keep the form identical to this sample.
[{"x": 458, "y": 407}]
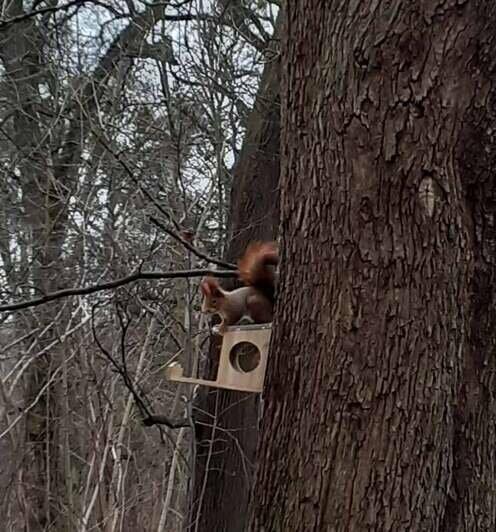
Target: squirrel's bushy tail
[{"x": 257, "y": 267}]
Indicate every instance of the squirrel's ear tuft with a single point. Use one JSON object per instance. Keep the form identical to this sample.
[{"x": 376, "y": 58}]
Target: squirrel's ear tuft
[
  {"x": 210, "y": 287},
  {"x": 205, "y": 287}
]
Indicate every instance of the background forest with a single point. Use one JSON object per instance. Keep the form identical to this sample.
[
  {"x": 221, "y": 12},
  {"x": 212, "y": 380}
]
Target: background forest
[
  {"x": 144, "y": 144},
  {"x": 120, "y": 123}
]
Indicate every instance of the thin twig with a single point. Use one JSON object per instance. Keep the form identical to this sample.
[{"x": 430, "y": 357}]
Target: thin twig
[
  {"x": 149, "y": 419},
  {"x": 174, "y": 233}
]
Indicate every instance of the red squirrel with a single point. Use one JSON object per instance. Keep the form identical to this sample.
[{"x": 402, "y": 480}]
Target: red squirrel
[{"x": 255, "y": 301}]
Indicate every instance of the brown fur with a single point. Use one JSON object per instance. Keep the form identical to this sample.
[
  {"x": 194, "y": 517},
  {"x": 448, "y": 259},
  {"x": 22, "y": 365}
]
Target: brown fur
[
  {"x": 254, "y": 301},
  {"x": 257, "y": 267}
]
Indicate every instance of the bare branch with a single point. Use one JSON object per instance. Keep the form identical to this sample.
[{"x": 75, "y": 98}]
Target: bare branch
[
  {"x": 157, "y": 419},
  {"x": 4, "y": 24},
  {"x": 149, "y": 419},
  {"x": 171, "y": 232},
  {"x": 137, "y": 276},
  {"x": 191, "y": 248}
]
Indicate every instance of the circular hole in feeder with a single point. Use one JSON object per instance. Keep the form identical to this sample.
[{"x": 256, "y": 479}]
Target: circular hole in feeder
[{"x": 244, "y": 357}]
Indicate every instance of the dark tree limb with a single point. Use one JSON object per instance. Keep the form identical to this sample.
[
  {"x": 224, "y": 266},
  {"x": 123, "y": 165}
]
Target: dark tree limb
[
  {"x": 137, "y": 276},
  {"x": 158, "y": 419}
]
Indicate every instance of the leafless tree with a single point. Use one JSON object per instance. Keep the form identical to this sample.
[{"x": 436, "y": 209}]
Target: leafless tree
[{"x": 119, "y": 123}]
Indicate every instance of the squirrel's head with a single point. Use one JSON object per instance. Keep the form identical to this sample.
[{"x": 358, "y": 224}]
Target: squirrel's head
[{"x": 212, "y": 295}]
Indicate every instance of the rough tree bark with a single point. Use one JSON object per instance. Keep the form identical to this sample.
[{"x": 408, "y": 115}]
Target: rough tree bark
[
  {"x": 226, "y": 449},
  {"x": 380, "y": 397}
]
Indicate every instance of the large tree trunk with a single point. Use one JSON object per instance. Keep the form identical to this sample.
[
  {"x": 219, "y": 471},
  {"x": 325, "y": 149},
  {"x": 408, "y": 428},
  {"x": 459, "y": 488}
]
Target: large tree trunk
[
  {"x": 226, "y": 422},
  {"x": 380, "y": 408}
]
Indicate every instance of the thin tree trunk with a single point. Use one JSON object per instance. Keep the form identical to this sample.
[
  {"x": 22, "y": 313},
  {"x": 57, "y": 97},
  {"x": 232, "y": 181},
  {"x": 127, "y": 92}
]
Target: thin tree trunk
[
  {"x": 380, "y": 409},
  {"x": 225, "y": 449}
]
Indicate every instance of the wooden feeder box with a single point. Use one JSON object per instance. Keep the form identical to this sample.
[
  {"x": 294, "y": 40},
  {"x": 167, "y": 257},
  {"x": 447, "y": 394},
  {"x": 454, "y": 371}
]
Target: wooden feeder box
[{"x": 242, "y": 363}]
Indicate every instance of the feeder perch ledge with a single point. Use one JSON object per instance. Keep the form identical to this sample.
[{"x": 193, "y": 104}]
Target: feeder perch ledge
[{"x": 242, "y": 362}]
